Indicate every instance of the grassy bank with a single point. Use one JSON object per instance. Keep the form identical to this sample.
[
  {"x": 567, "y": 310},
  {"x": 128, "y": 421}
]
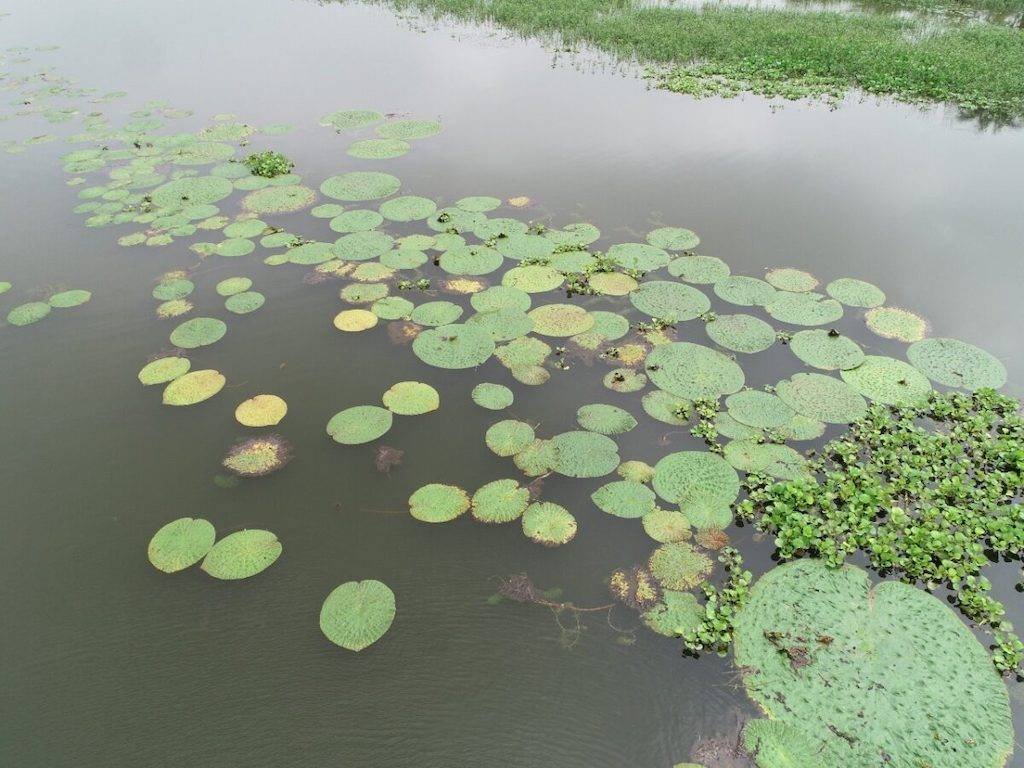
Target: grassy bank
[{"x": 786, "y": 53}]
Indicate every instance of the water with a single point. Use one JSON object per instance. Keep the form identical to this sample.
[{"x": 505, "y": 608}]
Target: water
[{"x": 107, "y": 662}]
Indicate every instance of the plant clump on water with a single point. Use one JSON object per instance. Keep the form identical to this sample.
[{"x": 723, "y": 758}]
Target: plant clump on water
[
  {"x": 922, "y": 491},
  {"x": 258, "y": 456},
  {"x": 268, "y": 164}
]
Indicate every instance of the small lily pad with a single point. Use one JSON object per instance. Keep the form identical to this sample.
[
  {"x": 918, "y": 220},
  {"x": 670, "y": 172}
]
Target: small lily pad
[
  {"x": 198, "y": 332},
  {"x": 357, "y": 614},
  {"x": 242, "y": 554},
  {"x": 181, "y": 544},
  {"x": 500, "y": 501},
  {"x": 438, "y": 503},
  {"x": 163, "y": 370},
  {"x": 896, "y": 323},
  {"x": 624, "y": 498},
  {"x": 508, "y": 437},
  {"x": 194, "y": 387},
  {"x": 605, "y": 419},
  {"x": 261, "y": 411},
  {"x": 494, "y": 397},
  {"x": 549, "y": 524},
  {"x": 678, "y": 566},
  {"x": 359, "y": 424},
  {"x": 411, "y": 398}
]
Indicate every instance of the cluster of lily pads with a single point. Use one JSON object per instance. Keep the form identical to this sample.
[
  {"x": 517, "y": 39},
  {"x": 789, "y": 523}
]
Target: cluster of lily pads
[
  {"x": 34, "y": 311},
  {"x": 943, "y": 704}
]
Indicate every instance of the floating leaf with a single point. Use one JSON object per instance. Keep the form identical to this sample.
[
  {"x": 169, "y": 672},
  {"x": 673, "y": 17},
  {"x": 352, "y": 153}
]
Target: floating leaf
[
  {"x": 363, "y": 246},
  {"x": 261, "y": 411},
  {"x": 244, "y": 303},
  {"x": 453, "y": 346},
  {"x": 494, "y": 397},
  {"x": 956, "y": 363},
  {"x": 180, "y": 544},
  {"x": 347, "y": 119},
  {"x": 500, "y": 501},
  {"x": 242, "y": 554},
  {"x": 67, "y": 299},
  {"x": 535, "y": 459},
  {"x": 678, "y": 566},
  {"x": 163, "y": 370},
  {"x": 29, "y": 313},
  {"x": 378, "y": 149},
  {"x": 409, "y": 129},
  {"x": 887, "y": 380},
  {"x": 827, "y": 350},
  {"x": 198, "y": 332},
  {"x": 677, "y": 614},
  {"x": 812, "y": 639},
  {"x": 533, "y": 278},
  {"x": 356, "y": 221},
  {"x": 605, "y": 419},
  {"x": 359, "y": 424},
  {"x": 478, "y": 204},
  {"x": 411, "y": 398},
  {"x": 689, "y": 477},
  {"x": 509, "y": 437},
  {"x": 549, "y": 524},
  {"x": 741, "y": 333},
  {"x": 624, "y": 498},
  {"x": 703, "y": 270},
  {"x": 438, "y": 503},
  {"x": 822, "y": 398},
  {"x": 665, "y": 525},
  {"x": 355, "y": 320},
  {"x": 779, "y": 461},
  {"x": 640, "y": 256},
  {"x": 693, "y": 371},
  {"x": 792, "y": 280},
  {"x": 855, "y": 293},
  {"x": 360, "y": 185},
  {"x": 778, "y": 745},
  {"x": 612, "y": 283},
  {"x": 194, "y": 387},
  {"x": 470, "y": 260},
  {"x": 500, "y": 297},
  {"x": 233, "y": 285},
  {"x": 436, "y": 313},
  {"x": 673, "y": 238},
  {"x": 560, "y": 320},
  {"x": 408, "y": 208},
  {"x": 258, "y": 456},
  {"x": 279, "y": 199},
  {"x": 624, "y": 380},
  {"x": 357, "y": 614},
  {"x": 674, "y": 302},
  {"x": 758, "y": 409},
  {"x": 896, "y": 323},
  {"x": 804, "y": 308},
  {"x": 584, "y": 454},
  {"x": 637, "y": 471},
  {"x": 667, "y": 408},
  {"x": 707, "y": 514},
  {"x": 744, "y": 291}
]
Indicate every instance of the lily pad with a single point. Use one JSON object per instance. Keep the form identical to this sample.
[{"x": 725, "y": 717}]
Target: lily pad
[
  {"x": 500, "y": 501},
  {"x": 409, "y": 129},
  {"x": 956, "y": 363},
  {"x": 549, "y": 524},
  {"x": 194, "y": 387},
  {"x": 896, "y": 323},
  {"x": 741, "y": 333},
  {"x": 242, "y": 554},
  {"x": 827, "y": 350},
  {"x": 692, "y": 477},
  {"x": 703, "y": 270},
  {"x": 438, "y": 503},
  {"x": 777, "y": 745},
  {"x": 792, "y": 280},
  {"x": 758, "y": 409},
  {"x": 624, "y": 498},
  {"x": 357, "y": 614},
  {"x": 822, "y": 398},
  {"x": 665, "y": 525},
  {"x": 261, "y": 411},
  {"x": 436, "y": 313},
  {"x": 887, "y": 380},
  {"x": 356, "y": 186},
  {"x": 198, "y": 332},
  {"x": 478, "y": 204},
  {"x": 470, "y": 260},
  {"x": 29, "y": 313},
  {"x": 678, "y": 566},
  {"x": 667, "y": 408},
  {"x": 378, "y": 149},
  {"x": 358, "y": 220},
  {"x": 500, "y": 297},
  {"x": 641, "y": 256},
  {"x": 779, "y": 461},
  {"x": 533, "y": 278},
  {"x": 355, "y": 320},
  {"x": 638, "y": 471},
  {"x": 509, "y": 437},
  {"x": 494, "y": 397},
  {"x": 181, "y": 544},
  {"x": 855, "y": 293},
  {"x": 605, "y": 419},
  {"x": 673, "y": 238},
  {"x": 453, "y": 346},
  {"x": 163, "y": 370},
  {"x": 943, "y": 703},
  {"x": 244, "y": 303},
  {"x": 411, "y": 398},
  {"x": 674, "y": 302},
  {"x": 359, "y": 424},
  {"x": 560, "y": 320},
  {"x": 408, "y": 208},
  {"x": 279, "y": 199},
  {"x": 232, "y": 285},
  {"x": 584, "y": 454},
  {"x": 744, "y": 291},
  {"x": 677, "y": 614},
  {"x": 804, "y": 308},
  {"x": 693, "y": 371},
  {"x": 347, "y": 119},
  {"x": 67, "y": 299}
]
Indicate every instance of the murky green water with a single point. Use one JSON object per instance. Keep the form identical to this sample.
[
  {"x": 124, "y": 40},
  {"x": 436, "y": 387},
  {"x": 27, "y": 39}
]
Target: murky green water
[{"x": 107, "y": 662}]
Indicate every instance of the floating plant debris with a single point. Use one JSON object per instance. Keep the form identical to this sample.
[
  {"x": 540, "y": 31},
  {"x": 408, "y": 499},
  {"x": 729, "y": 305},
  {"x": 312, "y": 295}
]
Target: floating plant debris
[
  {"x": 258, "y": 456},
  {"x": 845, "y": 637},
  {"x": 181, "y": 544},
  {"x": 357, "y": 614},
  {"x": 242, "y": 554},
  {"x": 260, "y": 411}
]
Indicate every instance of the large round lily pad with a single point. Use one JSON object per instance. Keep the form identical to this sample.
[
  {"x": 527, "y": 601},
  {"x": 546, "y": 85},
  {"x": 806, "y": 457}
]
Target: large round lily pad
[
  {"x": 411, "y": 398},
  {"x": 584, "y": 454},
  {"x": 194, "y": 387},
  {"x": 675, "y": 615},
  {"x": 261, "y": 411},
  {"x": 855, "y": 293},
  {"x": 605, "y": 419},
  {"x": 693, "y": 371},
  {"x": 871, "y": 675},
  {"x": 180, "y": 544},
  {"x": 673, "y": 238},
  {"x": 163, "y": 370},
  {"x": 508, "y": 437},
  {"x": 357, "y": 614},
  {"x": 741, "y": 333},
  {"x": 827, "y": 350},
  {"x": 690, "y": 477},
  {"x": 26, "y": 314},
  {"x": 803, "y": 308},
  {"x": 494, "y": 397},
  {"x": 822, "y": 397},
  {"x": 500, "y": 501},
  {"x": 758, "y": 409},
  {"x": 359, "y": 424},
  {"x": 549, "y": 524},
  {"x": 956, "y": 363},
  {"x": 242, "y": 554},
  {"x": 438, "y": 503},
  {"x": 560, "y": 320},
  {"x": 678, "y": 566},
  {"x": 360, "y": 185},
  {"x": 198, "y": 332},
  {"x": 704, "y": 270},
  {"x": 673, "y": 302},
  {"x": 624, "y": 498},
  {"x": 888, "y": 380},
  {"x": 453, "y": 346}
]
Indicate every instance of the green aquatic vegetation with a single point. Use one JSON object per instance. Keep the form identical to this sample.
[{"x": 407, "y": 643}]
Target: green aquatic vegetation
[
  {"x": 235, "y": 247},
  {"x": 435, "y": 313},
  {"x": 258, "y": 456},
  {"x": 560, "y": 320},
  {"x": 191, "y": 190},
  {"x": 635, "y": 587},
  {"x": 803, "y": 308},
  {"x": 478, "y": 204},
  {"x": 500, "y": 297},
  {"x": 666, "y": 407},
  {"x": 624, "y": 380},
  {"x": 198, "y": 332},
  {"x": 279, "y": 199},
  {"x": 261, "y": 411},
  {"x": 378, "y": 149},
  {"x": 896, "y": 323},
  {"x": 438, "y": 503},
  {"x": 355, "y": 320},
  {"x": 717, "y": 622},
  {"x": 812, "y": 639},
  {"x": 174, "y": 308},
  {"x": 409, "y": 129},
  {"x": 359, "y": 424},
  {"x": 500, "y": 501},
  {"x": 605, "y": 419},
  {"x": 765, "y": 458},
  {"x": 777, "y": 745},
  {"x": 678, "y": 566},
  {"x": 194, "y": 387},
  {"x": 549, "y": 524},
  {"x": 357, "y": 186},
  {"x": 695, "y": 478},
  {"x": 855, "y": 293},
  {"x": 624, "y": 498},
  {"x": 180, "y": 544},
  {"x": 503, "y": 324},
  {"x": 163, "y": 370},
  {"x": 245, "y": 228},
  {"x": 887, "y": 380},
  {"x": 268, "y": 164},
  {"x": 640, "y": 256},
  {"x": 242, "y": 554},
  {"x": 494, "y": 397},
  {"x": 533, "y": 278},
  {"x": 508, "y": 437},
  {"x": 349, "y": 119},
  {"x": 28, "y": 313},
  {"x": 921, "y": 490},
  {"x": 675, "y": 614},
  {"x": 244, "y": 303},
  {"x": 666, "y": 525},
  {"x": 326, "y": 210},
  {"x": 407, "y": 208},
  {"x": 525, "y": 247},
  {"x": 703, "y": 270},
  {"x": 673, "y": 239},
  {"x": 232, "y": 285},
  {"x": 956, "y": 363},
  {"x": 363, "y": 246},
  {"x": 392, "y": 308},
  {"x": 668, "y": 301},
  {"x": 357, "y": 614},
  {"x": 826, "y": 350},
  {"x": 744, "y": 291},
  {"x": 791, "y": 280},
  {"x": 356, "y": 221},
  {"x": 822, "y": 398},
  {"x": 755, "y": 408},
  {"x": 67, "y": 299},
  {"x": 411, "y": 398},
  {"x": 470, "y": 260},
  {"x": 693, "y": 371},
  {"x": 583, "y": 454}
]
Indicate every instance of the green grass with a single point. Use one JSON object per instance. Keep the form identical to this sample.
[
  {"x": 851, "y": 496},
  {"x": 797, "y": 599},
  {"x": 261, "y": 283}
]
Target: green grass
[{"x": 794, "y": 54}]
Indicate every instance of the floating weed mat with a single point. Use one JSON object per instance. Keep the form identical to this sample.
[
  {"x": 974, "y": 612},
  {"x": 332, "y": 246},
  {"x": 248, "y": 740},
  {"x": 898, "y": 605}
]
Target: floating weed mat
[{"x": 258, "y": 456}]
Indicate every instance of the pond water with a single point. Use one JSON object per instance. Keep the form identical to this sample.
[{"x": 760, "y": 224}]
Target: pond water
[{"x": 108, "y": 662}]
